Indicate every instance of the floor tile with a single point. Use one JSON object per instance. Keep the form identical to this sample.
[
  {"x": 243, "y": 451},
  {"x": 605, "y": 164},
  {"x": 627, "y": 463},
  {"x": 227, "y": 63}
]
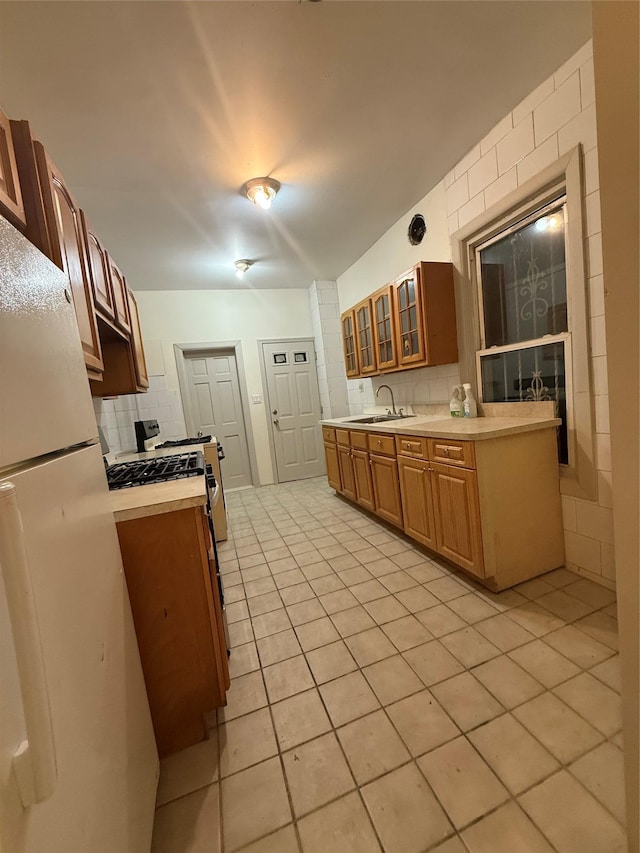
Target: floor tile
[
  {"x": 318, "y": 633},
  {"x": 472, "y": 608},
  {"x": 372, "y": 746},
  {"x": 433, "y": 662},
  {"x": 503, "y": 632},
  {"x": 190, "y": 824},
  {"x": 305, "y": 611},
  {"x": 188, "y": 770},
  {"x": 334, "y": 602},
  {"x": 329, "y": 662},
  {"x": 234, "y": 593},
  {"x": 578, "y": 646},
  {"x": 354, "y": 575},
  {"x": 507, "y": 830},
  {"x": 565, "y": 734},
  {"x": 406, "y": 633},
  {"x": 466, "y": 701},
  {"x": 284, "y": 565},
  {"x": 594, "y": 701},
  {"x": 535, "y": 619},
  {"x": 245, "y": 741},
  {"x": 236, "y": 611},
  {"x": 287, "y": 678},
  {"x": 352, "y": 621},
  {"x": 250, "y": 562},
  {"x": 561, "y": 578},
  {"x": 263, "y": 786},
  {"x": 591, "y": 593},
  {"x": 446, "y": 588},
  {"x": 243, "y": 659},
  {"x": 516, "y": 757},
  {"x": 571, "y": 818},
  {"x": 534, "y": 588},
  {"x": 508, "y": 682},
  {"x": 601, "y": 627},
  {"x": 277, "y": 647},
  {"x": 405, "y": 813},
  {"x": 469, "y": 647},
  {"x": 425, "y": 572},
  {"x": 601, "y": 771},
  {"x": 545, "y": 664},
  {"x": 398, "y": 581},
  {"x": 289, "y": 578},
  {"x": 348, "y": 698},
  {"x": 609, "y": 673},
  {"x": 317, "y": 570},
  {"x": 416, "y": 599},
  {"x": 317, "y": 773},
  {"x": 281, "y": 841},
  {"x": 392, "y": 679},
  {"x": 297, "y": 593},
  {"x": 264, "y": 603},
  {"x": 239, "y": 633},
  {"x": 270, "y": 623},
  {"x": 421, "y": 722},
  {"x": 440, "y": 620},
  {"x": 370, "y": 646},
  {"x": 246, "y": 694},
  {"x": 259, "y": 587},
  {"x": 451, "y": 845},
  {"x": 260, "y": 572},
  {"x": 462, "y": 781},
  {"x": 567, "y": 607},
  {"x": 343, "y": 825},
  {"x": 300, "y": 718}
]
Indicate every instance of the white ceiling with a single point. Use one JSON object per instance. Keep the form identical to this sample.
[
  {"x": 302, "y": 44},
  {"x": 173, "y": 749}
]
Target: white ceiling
[{"x": 158, "y": 112}]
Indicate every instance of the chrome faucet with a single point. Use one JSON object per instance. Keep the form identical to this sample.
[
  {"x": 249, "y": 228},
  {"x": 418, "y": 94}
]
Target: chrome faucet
[{"x": 393, "y": 405}]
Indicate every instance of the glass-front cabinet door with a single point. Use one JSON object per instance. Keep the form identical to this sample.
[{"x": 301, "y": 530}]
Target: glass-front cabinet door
[
  {"x": 384, "y": 332},
  {"x": 349, "y": 343},
  {"x": 408, "y": 309},
  {"x": 364, "y": 338}
]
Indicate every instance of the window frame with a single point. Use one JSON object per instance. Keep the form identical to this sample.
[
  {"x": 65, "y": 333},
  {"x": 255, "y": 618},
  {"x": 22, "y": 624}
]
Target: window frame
[{"x": 564, "y": 177}]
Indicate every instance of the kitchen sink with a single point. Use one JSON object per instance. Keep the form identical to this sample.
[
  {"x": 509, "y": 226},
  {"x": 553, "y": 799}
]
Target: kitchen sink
[{"x": 379, "y": 419}]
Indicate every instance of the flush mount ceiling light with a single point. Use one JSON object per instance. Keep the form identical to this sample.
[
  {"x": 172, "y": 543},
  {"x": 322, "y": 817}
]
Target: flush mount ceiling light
[
  {"x": 261, "y": 191},
  {"x": 242, "y": 266}
]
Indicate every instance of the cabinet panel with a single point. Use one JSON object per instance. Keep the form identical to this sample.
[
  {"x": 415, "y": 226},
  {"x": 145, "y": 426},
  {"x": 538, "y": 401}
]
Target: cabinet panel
[
  {"x": 386, "y": 488},
  {"x": 347, "y": 478},
  {"x": 98, "y": 270},
  {"x": 342, "y": 437},
  {"x": 333, "y": 466},
  {"x": 136, "y": 342},
  {"x": 364, "y": 339},
  {"x": 452, "y": 452},
  {"x": 457, "y": 516},
  {"x": 348, "y": 324},
  {"x": 384, "y": 328},
  {"x": 121, "y": 306},
  {"x": 11, "y": 204},
  {"x": 68, "y": 252},
  {"x": 383, "y": 444},
  {"x": 407, "y": 304},
  {"x": 358, "y": 440},
  {"x": 417, "y": 501},
  {"x": 412, "y": 446},
  {"x": 362, "y": 476},
  {"x": 329, "y": 434}
]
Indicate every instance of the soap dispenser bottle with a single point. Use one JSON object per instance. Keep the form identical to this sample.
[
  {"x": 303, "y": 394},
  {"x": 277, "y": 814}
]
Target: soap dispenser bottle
[
  {"x": 470, "y": 406},
  {"x": 455, "y": 405}
]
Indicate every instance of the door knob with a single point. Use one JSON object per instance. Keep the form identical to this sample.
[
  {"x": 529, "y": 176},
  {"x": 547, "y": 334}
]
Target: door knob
[
  {"x": 276, "y": 421},
  {"x": 274, "y": 412}
]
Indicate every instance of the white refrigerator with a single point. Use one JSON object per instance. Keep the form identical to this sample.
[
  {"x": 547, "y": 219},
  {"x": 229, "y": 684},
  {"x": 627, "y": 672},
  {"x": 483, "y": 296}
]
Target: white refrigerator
[{"x": 78, "y": 761}]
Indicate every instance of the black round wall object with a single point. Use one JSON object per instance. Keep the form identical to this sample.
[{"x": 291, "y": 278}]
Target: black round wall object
[{"x": 417, "y": 229}]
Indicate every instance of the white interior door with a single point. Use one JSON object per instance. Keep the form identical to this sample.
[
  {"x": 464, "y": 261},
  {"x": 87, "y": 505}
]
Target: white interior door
[
  {"x": 294, "y": 408},
  {"x": 216, "y": 409}
]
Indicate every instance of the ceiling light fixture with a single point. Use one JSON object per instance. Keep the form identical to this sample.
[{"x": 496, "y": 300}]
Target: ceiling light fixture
[
  {"x": 261, "y": 191},
  {"x": 242, "y": 266}
]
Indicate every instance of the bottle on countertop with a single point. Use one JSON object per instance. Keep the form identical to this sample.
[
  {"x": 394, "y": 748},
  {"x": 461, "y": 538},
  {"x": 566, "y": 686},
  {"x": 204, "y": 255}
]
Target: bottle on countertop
[
  {"x": 455, "y": 404},
  {"x": 469, "y": 405}
]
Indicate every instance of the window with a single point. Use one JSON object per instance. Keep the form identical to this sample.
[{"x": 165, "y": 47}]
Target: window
[{"x": 524, "y": 324}]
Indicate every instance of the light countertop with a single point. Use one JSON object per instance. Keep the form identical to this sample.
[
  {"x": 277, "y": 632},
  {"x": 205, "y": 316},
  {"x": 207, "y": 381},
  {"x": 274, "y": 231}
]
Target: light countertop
[{"x": 470, "y": 429}]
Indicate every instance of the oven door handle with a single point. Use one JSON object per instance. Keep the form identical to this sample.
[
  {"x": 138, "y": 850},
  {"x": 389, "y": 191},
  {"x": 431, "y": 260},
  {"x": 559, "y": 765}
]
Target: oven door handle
[{"x": 214, "y": 495}]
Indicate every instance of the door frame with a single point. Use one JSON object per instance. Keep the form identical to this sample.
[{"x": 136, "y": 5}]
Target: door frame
[
  {"x": 267, "y": 408},
  {"x": 181, "y": 351}
]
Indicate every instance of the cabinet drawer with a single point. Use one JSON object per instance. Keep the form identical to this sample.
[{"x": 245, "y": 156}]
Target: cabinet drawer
[
  {"x": 359, "y": 440},
  {"x": 342, "y": 437},
  {"x": 385, "y": 444},
  {"x": 452, "y": 452},
  {"x": 329, "y": 434},
  {"x": 415, "y": 446}
]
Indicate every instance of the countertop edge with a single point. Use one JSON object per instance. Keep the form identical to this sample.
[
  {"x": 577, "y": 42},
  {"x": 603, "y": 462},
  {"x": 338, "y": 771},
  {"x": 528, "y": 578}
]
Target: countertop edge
[{"x": 470, "y": 429}]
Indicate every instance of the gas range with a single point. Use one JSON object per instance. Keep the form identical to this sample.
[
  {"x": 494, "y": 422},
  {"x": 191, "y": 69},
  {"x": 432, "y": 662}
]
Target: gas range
[{"x": 159, "y": 469}]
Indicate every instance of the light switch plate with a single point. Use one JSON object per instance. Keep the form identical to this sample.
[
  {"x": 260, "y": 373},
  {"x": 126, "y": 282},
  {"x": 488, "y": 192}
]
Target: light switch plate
[{"x": 256, "y": 398}]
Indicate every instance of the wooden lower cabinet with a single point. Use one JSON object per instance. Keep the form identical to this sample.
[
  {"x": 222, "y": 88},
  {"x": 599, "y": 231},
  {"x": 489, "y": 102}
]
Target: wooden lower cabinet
[
  {"x": 417, "y": 501},
  {"x": 347, "y": 476},
  {"x": 171, "y": 577},
  {"x": 362, "y": 476},
  {"x": 333, "y": 465},
  {"x": 457, "y": 516},
  {"x": 386, "y": 488}
]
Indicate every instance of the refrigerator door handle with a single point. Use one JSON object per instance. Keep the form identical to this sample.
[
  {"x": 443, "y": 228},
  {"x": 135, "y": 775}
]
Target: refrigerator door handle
[{"x": 34, "y": 762}]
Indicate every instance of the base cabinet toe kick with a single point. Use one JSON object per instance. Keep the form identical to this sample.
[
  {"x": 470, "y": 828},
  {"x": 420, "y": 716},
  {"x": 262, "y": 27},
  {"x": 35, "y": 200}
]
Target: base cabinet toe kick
[{"x": 491, "y": 506}]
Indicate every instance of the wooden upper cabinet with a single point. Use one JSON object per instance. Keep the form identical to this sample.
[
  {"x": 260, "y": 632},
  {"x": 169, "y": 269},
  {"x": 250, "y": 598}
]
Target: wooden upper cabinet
[
  {"x": 98, "y": 270},
  {"x": 364, "y": 338},
  {"x": 11, "y": 204},
  {"x": 69, "y": 253},
  {"x": 439, "y": 311},
  {"x": 407, "y": 304},
  {"x": 140, "y": 364},
  {"x": 120, "y": 298},
  {"x": 384, "y": 329},
  {"x": 348, "y": 324}
]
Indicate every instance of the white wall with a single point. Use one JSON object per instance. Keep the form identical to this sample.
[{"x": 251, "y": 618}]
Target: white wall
[
  {"x": 177, "y": 317},
  {"x": 332, "y": 381}
]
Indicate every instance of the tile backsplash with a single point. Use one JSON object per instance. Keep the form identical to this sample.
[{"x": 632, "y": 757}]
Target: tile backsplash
[{"x": 117, "y": 416}]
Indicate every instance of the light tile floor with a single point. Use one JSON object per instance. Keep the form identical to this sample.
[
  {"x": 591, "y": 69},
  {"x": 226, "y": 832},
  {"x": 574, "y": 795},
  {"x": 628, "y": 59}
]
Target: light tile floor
[{"x": 381, "y": 701}]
